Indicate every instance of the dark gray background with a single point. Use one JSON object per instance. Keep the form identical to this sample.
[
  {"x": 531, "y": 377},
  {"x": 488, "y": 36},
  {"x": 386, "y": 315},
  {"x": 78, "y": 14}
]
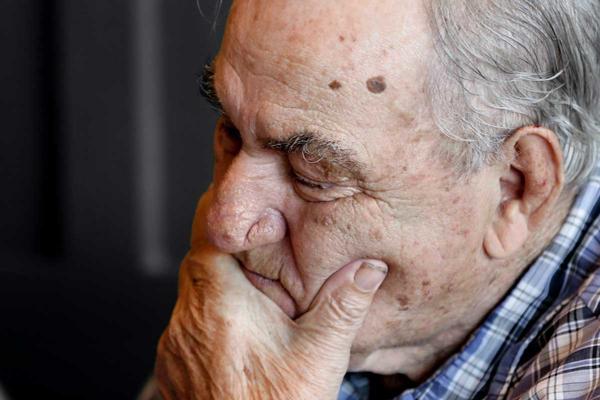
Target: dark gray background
[{"x": 105, "y": 148}]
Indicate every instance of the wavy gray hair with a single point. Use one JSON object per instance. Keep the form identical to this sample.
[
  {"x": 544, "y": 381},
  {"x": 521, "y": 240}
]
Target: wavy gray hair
[{"x": 503, "y": 64}]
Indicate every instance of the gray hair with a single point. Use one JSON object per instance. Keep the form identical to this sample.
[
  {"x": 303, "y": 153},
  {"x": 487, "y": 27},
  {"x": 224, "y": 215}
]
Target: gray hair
[{"x": 503, "y": 64}]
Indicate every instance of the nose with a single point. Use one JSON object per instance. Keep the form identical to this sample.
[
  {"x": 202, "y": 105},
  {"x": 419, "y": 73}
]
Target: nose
[{"x": 244, "y": 212}]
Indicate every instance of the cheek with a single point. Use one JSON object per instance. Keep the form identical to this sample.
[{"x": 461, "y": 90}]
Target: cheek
[
  {"x": 327, "y": 236},
  {"x": 432, "y": 260}
]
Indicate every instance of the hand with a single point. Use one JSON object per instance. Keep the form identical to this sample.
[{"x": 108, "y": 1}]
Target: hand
[{"x": 226, "y": 340}]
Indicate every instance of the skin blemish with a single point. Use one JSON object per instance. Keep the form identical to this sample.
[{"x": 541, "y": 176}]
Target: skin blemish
[
  {"x": 407, "y": 118},
  {"x": 335, "y": 85},
  {"x": 376, "y": 84},
  {"x": 426, "y": 288},
  {"x": 324, "y": 220},
  {"x": 341, "y": 38},
  {"x": 402, "y": 302},
  {"x": 375, "y": 234}
]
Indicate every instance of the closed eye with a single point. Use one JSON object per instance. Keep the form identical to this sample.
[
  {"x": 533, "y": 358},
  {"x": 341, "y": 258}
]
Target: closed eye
[{"x": 312, "y": 184}]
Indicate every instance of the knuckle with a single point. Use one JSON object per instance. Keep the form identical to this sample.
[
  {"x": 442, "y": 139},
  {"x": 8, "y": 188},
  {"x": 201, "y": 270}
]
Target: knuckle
[{"x": 347, "y": 307}]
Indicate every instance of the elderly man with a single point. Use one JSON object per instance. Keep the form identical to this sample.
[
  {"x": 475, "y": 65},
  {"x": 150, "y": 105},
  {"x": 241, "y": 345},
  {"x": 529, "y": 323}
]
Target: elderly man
[{"x": 404, "y": 204}]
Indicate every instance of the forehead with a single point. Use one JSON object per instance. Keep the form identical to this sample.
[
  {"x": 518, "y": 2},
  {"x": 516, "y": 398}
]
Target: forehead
[{"x": 350, "y": 67}]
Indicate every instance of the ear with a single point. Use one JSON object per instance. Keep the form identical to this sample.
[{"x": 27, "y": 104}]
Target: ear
[{"x": 531, "y": 181}]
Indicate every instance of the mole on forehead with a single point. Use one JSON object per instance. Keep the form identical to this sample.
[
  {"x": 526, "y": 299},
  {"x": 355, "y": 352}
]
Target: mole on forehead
[
  {"x": 335, "y": 85},
  {"x": 376, "y": 84}
]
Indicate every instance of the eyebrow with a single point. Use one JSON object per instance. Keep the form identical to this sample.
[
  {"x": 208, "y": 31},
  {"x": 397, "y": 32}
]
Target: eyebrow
[
  {"x": 206, "y": 87},
  {"x": 316, "y": 149},
  {"x": 313, "y": 147}
]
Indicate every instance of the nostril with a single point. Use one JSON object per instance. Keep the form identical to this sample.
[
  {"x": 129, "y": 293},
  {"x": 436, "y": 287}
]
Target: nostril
[{"x": 269, "y": 228}]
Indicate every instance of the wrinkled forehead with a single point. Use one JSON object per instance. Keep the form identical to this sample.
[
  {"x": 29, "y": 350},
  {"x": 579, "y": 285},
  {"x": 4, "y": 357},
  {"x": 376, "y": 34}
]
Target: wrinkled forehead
[
  {"x": 354, "y": 65},
  {"x": 329, "y": 34}
]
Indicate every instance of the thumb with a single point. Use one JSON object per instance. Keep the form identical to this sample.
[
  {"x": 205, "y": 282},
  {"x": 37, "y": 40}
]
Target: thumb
[{"x": 339, "y": 310}]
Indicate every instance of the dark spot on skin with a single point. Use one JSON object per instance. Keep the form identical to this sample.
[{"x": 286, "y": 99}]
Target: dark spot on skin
[
  {"x": 335, "y": 85},
  {"x": 407, "y": 118},
  {"x": 404, "y": 169},
  {"x": 536, "y": 125},
  {"x": 376, "y": 84},
  {"x": 294, "y": 37},
  {"x": 448, "y": 288},
  {"x": 492, "y": 280},
  {"x": 391, "y": 323},
  {"x": 402, "y": 302},
  {"x": 341, "y": 38},
  {"x": 425, "y": 285},
  {"x": 416, "y": 139},
  {"x": 375, "y": 234}
]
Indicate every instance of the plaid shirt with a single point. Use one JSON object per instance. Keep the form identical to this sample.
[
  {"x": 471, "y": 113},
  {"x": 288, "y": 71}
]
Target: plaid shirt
[{"x": 542, "y": 341}]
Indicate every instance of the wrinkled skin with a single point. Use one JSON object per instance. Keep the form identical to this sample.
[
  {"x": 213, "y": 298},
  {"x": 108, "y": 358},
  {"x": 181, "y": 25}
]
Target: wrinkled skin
[
  {"x": 295, "y": 66},
  {"x": 272, "y": 76},
  {"x": 226, "y": 340}
]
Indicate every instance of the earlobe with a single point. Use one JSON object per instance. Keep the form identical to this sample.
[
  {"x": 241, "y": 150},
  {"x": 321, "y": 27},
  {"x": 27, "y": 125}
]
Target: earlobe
[
  {"x": 508, "y": 233},
  {"x": 530, "y": 186}
]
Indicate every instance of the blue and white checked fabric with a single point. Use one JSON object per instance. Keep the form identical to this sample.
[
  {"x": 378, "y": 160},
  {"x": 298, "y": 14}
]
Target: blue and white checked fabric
[{"x": 543, "y": 339}]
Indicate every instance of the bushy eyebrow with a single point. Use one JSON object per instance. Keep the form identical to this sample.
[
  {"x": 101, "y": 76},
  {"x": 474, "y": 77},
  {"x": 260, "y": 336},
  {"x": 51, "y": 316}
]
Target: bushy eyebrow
[
  {"x": 313, "y": 147},
  {"x": 316, "y": 149},
  {"x": 206, "y": 87}
]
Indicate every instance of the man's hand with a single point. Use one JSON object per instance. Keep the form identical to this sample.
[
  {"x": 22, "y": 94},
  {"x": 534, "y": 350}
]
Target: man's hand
[{"x": 226, "y": 340}]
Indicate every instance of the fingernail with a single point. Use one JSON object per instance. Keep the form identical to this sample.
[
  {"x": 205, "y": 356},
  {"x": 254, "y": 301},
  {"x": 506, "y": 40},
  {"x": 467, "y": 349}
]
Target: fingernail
[{"x": 369, "y": 276}]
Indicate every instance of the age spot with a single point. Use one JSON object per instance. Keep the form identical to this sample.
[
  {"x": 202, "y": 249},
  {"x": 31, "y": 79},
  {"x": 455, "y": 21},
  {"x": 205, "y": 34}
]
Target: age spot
[
  {"x": 335, "y": 85},
  {"x": 403, "y": 302},
  {"x": 375, "y": 234},
  {"x": 376, "y": 84},
  {"x": 341, "y": 38}
]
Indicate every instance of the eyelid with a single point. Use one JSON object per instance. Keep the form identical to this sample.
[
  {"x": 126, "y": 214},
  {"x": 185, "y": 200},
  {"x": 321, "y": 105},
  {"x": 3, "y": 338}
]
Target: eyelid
[{"x": 312, "y": 184}]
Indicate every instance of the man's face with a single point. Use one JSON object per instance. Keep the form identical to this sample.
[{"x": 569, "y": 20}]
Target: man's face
[{"x": 336, "y": 164}]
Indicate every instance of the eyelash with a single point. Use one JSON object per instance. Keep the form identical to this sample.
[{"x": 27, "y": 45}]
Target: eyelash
[{"x": 310, "y": 184}]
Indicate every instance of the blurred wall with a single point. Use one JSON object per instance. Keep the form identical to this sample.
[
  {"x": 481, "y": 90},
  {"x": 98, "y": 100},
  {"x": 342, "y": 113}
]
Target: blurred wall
[{"x": 105, "y": 149}]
